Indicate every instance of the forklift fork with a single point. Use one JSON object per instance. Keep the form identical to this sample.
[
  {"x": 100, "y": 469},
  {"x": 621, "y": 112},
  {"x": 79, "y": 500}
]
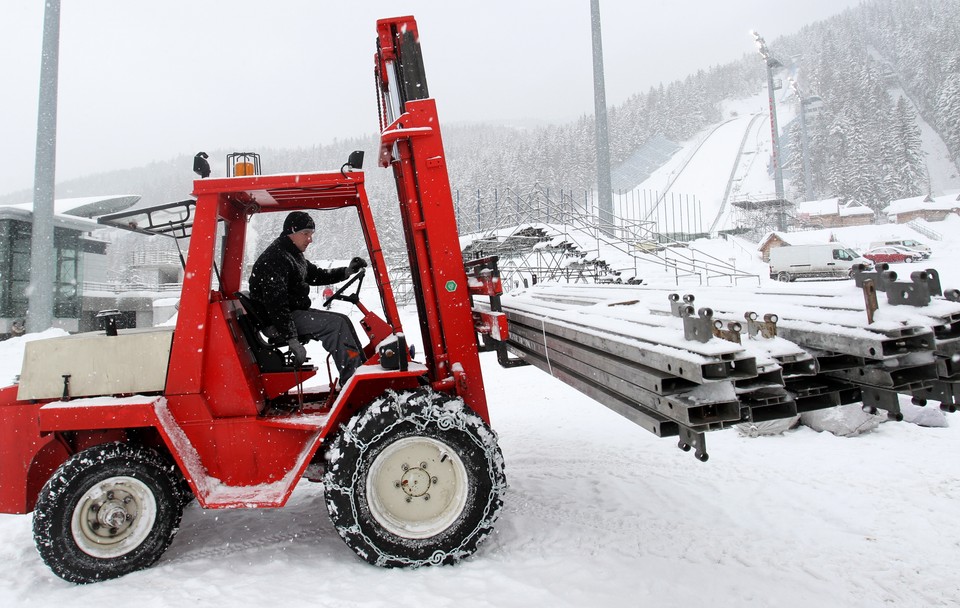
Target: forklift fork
[{"x": 490, "y": 323}]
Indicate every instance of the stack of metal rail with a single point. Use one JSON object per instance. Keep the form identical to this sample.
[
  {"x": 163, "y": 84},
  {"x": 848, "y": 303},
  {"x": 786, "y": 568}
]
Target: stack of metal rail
[
  {"x": 640, "y": 370},
  {"x": 679, "y": 370}
]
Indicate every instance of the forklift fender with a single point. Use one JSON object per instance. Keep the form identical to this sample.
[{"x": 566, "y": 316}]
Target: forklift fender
[
  {"x": 99, "y": 413},
  {"x": 366, "y": 384}
]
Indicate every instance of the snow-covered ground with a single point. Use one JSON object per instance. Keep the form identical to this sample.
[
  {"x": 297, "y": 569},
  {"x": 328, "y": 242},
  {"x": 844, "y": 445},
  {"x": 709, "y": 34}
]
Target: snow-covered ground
[{"x": 599, "y": 513}]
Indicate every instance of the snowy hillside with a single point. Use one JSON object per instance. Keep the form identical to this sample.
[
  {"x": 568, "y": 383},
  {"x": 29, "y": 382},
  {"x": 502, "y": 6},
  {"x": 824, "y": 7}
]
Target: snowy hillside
[
  {"x": 726, "y": 161},
  {"x": 731, "y": 160}
]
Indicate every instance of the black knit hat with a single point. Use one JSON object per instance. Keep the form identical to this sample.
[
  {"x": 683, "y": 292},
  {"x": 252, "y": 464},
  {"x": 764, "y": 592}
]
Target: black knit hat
[{"x": 297, "y": 221}]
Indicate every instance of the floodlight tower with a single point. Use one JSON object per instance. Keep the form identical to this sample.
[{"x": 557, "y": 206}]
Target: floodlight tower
[
  {"x": 804, "y": 141},
  {"x": 43, "y": 264},
  {"x": 772, "y": 64},
  {"x": 604, "y": 189}
]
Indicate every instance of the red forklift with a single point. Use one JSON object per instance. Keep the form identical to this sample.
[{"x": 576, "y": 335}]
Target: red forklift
[{"x": 108, "y": 435}]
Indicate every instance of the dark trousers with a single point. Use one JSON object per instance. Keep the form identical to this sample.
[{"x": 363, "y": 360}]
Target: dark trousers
[{"x": 336, "y": 333}]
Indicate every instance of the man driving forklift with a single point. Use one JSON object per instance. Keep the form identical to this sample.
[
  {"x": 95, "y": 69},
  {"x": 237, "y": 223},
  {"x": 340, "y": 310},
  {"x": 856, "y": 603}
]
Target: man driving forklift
[{"x": 280, "y": 283}]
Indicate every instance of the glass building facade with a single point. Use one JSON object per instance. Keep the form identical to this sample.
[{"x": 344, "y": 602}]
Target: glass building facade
[{"x": 15, "y": 270}]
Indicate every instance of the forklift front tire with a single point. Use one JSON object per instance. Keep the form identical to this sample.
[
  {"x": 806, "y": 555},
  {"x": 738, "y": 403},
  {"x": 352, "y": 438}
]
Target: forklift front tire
[
  {"x": 415, "y": 479},
  {"x": 107, "y": 511}
]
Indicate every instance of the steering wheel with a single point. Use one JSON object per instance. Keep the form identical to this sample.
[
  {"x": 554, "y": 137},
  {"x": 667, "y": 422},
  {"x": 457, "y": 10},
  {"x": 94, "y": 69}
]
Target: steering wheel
[{"x": 352, "y": 298}]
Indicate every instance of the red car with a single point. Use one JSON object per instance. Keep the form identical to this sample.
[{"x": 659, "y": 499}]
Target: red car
[{"x": 892, "y": 255}]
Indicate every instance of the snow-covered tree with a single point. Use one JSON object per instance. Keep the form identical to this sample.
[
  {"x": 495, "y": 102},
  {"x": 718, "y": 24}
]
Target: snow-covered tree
[{"x": 948, "y": 108}]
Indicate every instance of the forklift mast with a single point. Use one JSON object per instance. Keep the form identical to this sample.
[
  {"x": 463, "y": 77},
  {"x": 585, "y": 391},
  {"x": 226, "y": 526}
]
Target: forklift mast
[{"x": 411, "y": 144}]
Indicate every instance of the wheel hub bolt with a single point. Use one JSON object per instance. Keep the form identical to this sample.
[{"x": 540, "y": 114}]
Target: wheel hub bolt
[
  {"x": 415, "y": 482},
  {"x": 113, "y": 517}
]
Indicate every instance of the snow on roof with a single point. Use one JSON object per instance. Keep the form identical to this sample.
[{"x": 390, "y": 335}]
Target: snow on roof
[
  {"x": 855, "y": 209},
  {"x": 16, "y": 212},
  {"x": 827, "y": 206},
  {"x": 950, "y": 197},
  {"x": 88, "y": 206},
  {"x": 805, "y": 237},
  {"x": 832, "y": 206},
  {"x": 921, "y": 203}
]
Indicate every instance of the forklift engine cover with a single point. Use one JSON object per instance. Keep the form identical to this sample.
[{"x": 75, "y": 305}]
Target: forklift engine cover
[{"x": 93, "y": 364}]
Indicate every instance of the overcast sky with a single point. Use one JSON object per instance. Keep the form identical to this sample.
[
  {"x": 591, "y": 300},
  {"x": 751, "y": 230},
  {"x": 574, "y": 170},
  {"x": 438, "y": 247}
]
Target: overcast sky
[{"x": 145, "y": 81}]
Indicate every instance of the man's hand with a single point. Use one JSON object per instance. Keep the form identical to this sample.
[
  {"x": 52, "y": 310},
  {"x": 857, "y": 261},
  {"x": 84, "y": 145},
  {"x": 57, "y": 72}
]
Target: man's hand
[
  {"x": 298, "y": 351},
  {"x": 356, "y": 264}
]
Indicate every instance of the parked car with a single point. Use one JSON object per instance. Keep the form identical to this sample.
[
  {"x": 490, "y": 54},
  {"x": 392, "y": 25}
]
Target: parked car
[
  {"x": 923, "y": 254},
  {"x": 829, "y": 260},
  {"x": 904, "y": 243},
  {"x": 893, "y": 255}
]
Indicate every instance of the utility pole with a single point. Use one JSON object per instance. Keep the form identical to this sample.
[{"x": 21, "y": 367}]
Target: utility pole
[
  {"x": 43, "y": 259},
  {"x": 772, "y": 63},
  {"x": 604, "y": 189}
]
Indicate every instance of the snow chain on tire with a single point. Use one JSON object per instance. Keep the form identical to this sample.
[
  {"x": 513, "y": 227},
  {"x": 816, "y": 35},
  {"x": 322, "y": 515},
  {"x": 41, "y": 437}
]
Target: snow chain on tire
[{"x": 414, "y": 479}]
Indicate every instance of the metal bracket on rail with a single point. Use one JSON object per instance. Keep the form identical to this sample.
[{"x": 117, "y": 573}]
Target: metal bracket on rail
[
  {"x": 923, "y": 285},
  {"x": 765, "y": 329},
  {"x": 692, "y": 439},
  {"x": 878, "y": 275},
  {"x": 699, "y": 328},
  {"x": 875, "y": 398},
  {"x": 730, "y": 334},
  {"x": 678, "y": 305}
]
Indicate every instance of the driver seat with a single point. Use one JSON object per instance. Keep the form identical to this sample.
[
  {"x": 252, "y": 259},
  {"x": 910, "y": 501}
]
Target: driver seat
[{"x": 262, "y": 336}]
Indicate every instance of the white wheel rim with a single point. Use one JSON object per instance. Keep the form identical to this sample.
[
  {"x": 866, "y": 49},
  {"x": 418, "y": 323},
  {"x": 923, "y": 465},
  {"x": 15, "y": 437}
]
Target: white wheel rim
[
  {"x": 113, "y": 517},
  {"x": 417, "y": 487}
]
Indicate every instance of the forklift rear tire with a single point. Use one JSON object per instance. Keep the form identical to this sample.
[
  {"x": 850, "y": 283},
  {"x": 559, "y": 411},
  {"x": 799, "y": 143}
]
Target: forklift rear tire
[
  {"x": 107, "y": 511},
  {"x": 415, "y": 479}
]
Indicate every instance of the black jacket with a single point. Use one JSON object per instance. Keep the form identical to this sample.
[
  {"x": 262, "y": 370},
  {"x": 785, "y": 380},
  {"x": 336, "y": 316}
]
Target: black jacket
[{"x": 281, "y": 281}]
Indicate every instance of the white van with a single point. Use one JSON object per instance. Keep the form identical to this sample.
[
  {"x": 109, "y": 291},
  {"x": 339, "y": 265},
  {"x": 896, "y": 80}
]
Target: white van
[
  {"x": 830, "y": 260},
  {"x": 905, "y": 243}
]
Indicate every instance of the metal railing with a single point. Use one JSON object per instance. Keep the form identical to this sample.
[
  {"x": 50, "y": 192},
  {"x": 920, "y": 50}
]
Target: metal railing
[
  {"x": 925, "y": 231},
  {"x": 155, "y": 258},
  {"x": 117, "y": 287}
]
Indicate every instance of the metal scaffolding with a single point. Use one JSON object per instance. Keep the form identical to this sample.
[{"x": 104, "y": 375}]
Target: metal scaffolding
[{"x": 544, "y": 236}]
